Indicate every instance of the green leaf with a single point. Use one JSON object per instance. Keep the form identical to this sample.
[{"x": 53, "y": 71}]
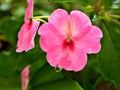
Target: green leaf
[
  {"x": 115, "y": 9},
  {"x": 107, "y": 3},
  {"x": 44, "y": 75},
  {"x": 10, "y": 26},
  {"x": 8, "y": 77},
  {"x": 109, "y": 57},
  {"x": 88, "y": 76},
  {"x": 60, "y": 85}
]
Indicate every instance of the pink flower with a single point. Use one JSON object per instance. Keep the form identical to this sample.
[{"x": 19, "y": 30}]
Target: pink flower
[
  {"x": 68, "y": 39},
  {"x": 28, "y": 30},
  {"x": 25, "y": 77}
]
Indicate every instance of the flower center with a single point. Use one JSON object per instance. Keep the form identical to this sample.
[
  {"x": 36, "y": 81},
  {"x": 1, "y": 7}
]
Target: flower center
[{"x": 68, "y": 43}]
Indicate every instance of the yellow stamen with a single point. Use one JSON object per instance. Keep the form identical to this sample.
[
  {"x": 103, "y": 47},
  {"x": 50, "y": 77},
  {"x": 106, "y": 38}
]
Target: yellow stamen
[{"x": 68, "y": 39}]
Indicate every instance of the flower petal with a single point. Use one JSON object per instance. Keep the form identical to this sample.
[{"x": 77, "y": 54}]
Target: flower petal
[
  {"x": 79, "y": 60},
  {"x": 53, "y": 55},
  {"x": 26, "y": 36},
  {"x": 89, "y": 39},
  {"x": 25, "y": 77},
  {"x": 49, "y": 36},
  {"x": 59, "y": 19},
  {"x": 58, "y": 57},
  {"x": 78, "y": 21},
  {"x": 71, "y": 61},
  {"x": 29, "y": 10}
]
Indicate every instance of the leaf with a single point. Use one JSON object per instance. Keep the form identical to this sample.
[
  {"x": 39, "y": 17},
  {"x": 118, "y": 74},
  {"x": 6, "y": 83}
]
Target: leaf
[
  {"x": 109, "y": 57},
  {"x": 44, "y": 75},
  {"x": 115, "y": 9},
  {"x": 63, "y": 84},
  {"x": 107, "y": 3},
  {"x": 8, "y": 77},
  {"x": 10, "y": 26},
  {"x": 88, "y": 76}
]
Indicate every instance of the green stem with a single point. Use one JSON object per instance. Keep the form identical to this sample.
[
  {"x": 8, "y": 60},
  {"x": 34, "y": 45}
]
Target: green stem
[
  {"x": 114, "y": 16},
  {"x": 41, "y": 17},
  {"x": 115, "y": 21},
  {"x": 38, "y": 19}
]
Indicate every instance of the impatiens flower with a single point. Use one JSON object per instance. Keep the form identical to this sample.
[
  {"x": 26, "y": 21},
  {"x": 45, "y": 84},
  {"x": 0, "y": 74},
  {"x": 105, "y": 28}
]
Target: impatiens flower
[
  {"x": 25, "y": 77},
  {"x": 28, "y": 30},
  {"x": 68, "y": 38}
]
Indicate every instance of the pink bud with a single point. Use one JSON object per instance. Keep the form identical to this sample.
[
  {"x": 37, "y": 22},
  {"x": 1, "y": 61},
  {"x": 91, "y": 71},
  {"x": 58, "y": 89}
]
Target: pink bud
[{"x": 25, "y": 77}]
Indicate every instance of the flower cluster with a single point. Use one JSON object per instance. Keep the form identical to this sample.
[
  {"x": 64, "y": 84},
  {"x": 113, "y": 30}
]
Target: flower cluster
[{"x": 66, "y": 38}]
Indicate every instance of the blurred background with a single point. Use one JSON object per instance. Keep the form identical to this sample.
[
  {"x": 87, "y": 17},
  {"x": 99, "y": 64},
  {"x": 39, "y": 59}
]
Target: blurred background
[{"x": 103, "y": 69}]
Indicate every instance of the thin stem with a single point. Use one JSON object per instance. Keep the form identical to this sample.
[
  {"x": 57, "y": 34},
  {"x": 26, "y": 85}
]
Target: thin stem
[
  {"x": 115, "y": 16},
  {"x": 41, "y": 17},
  {"x": 41, "y": 20},
  {"x": 115, "y": 21},
  {"x": 57, "y": 69}
]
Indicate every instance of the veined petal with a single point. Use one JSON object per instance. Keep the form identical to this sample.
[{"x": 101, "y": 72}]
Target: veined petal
[
  {"x": 29, "y": 10},
  {"x": 78, "y": 60},
  {"x": 50, "y": 36},
  {"x": 58, "y": 57},
  {"x": 66, "y": 59},
  {"x": 26, "y": 36},
  {"x": 79, "y": 21},
  {"x": 89, "y": 39},
  {"x": 59, "y": 19}
]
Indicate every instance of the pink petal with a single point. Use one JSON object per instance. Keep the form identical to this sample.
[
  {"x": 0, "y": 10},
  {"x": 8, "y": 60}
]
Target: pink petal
[
  {"x": 89, "y": 39},
  {"x": 29, "y": 10},
  {"x": 71, "y": 61},
  {"x": 26, "y": 36},
  {"x": 54, "y": 55},
  {"x": 49, "y": 36},
  {"x": 78, "y": 60},
  {"x": 59, "y": 19},
  {"x": 58, "y": 57},
  {"x": 78, "y": 21},
  {"x": 25, "y": 77}
]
